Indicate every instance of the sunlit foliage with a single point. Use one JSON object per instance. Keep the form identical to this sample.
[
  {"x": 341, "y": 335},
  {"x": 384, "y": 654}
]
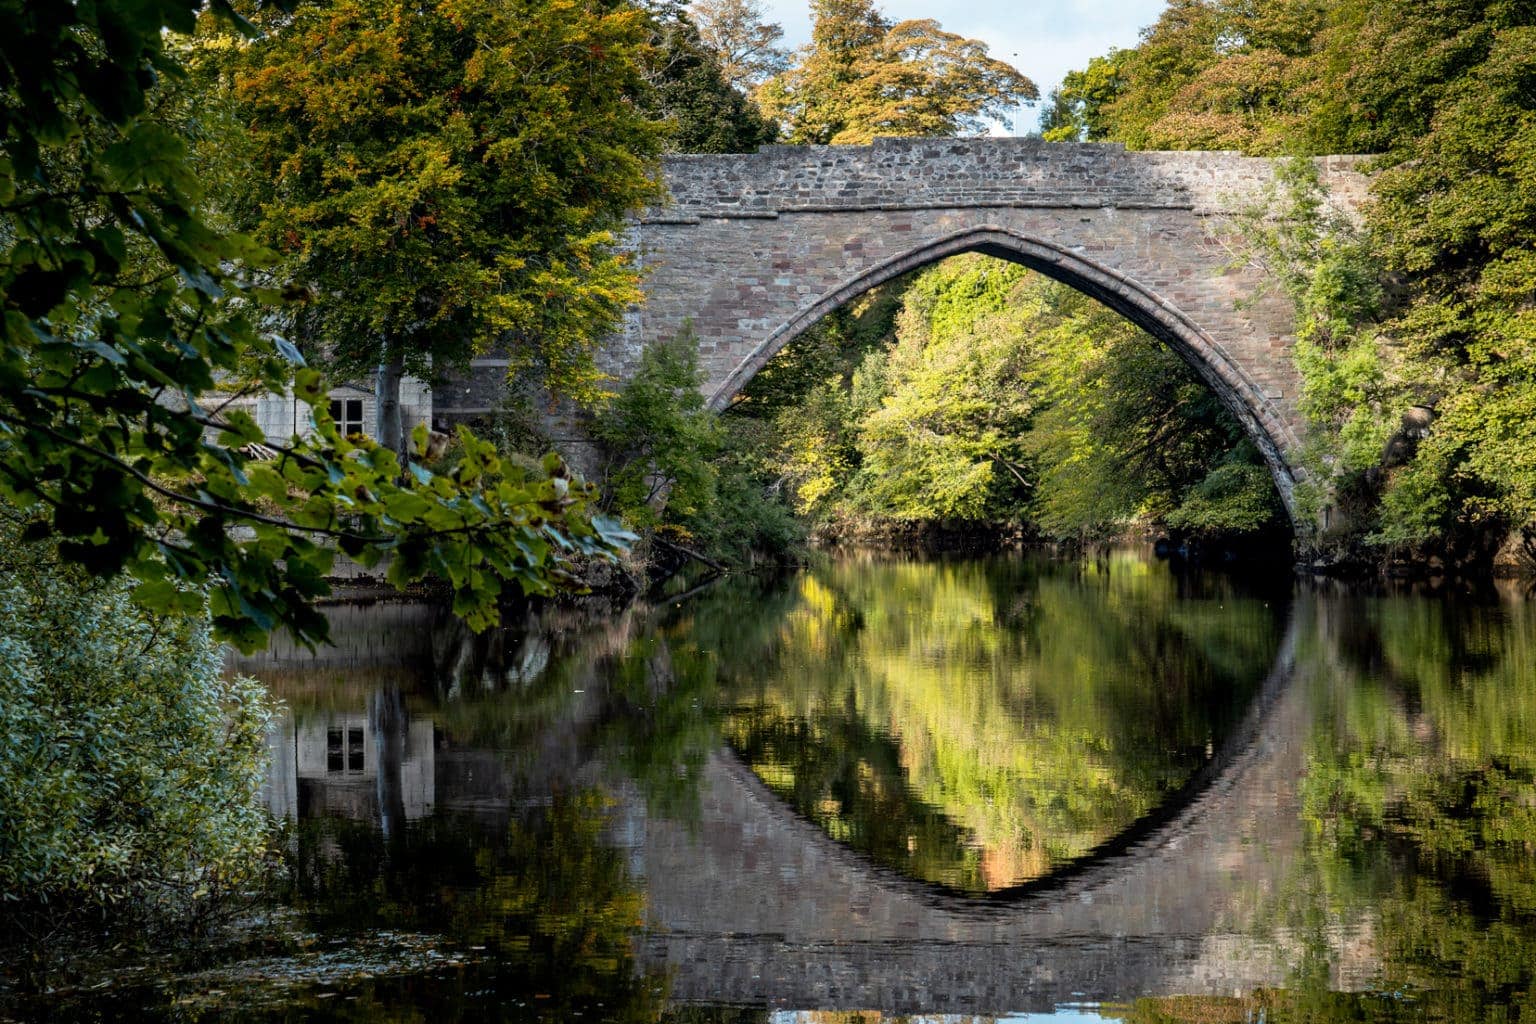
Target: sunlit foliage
[
  {"x": 998, "y": 397},
  {"x": 863, "y": 76}
]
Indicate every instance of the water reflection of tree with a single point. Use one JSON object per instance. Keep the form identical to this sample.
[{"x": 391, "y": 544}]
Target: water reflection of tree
[
  {"x": 1420, "y": 802},
  {"x": 634, "y": 691},
  {"x": 979, "y": 723},
  {"x": 544, "y": 911}
]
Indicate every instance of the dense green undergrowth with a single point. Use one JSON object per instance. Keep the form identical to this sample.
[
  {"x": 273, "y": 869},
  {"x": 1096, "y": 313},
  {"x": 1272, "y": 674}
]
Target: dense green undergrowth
[{"x": 133, "y": 766}]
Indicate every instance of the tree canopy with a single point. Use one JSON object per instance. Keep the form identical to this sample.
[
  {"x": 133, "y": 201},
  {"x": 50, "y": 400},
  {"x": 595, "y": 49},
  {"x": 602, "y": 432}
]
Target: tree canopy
[
  {"x": 747, "y": 46},
  {"x": 452, "y": 176},
  {"x": 690, "y": 89},
  {"x": 129, "y": 316},
  {"x": 862, "y": 76}
]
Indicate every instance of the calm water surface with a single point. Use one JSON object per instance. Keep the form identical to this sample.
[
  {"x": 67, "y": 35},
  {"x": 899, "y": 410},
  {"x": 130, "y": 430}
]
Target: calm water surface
[{"x": 897, "y": 789}]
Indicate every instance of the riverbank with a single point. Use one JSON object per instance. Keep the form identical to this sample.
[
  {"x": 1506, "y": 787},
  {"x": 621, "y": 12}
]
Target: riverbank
[{"x": 654, "y": 564}]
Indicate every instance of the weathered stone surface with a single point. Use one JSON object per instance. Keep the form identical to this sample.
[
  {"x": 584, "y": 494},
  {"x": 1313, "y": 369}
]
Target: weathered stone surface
[{"x": 756, "y": 248}]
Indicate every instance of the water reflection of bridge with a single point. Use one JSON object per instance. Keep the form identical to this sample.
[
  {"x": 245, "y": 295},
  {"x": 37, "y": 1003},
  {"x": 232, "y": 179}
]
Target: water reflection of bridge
[
  {"x": 755, "y": 905},
  {"x": 752, "y": 904}
]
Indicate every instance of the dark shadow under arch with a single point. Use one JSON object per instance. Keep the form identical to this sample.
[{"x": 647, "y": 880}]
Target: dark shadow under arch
[{"x": 1259, "y": 417}]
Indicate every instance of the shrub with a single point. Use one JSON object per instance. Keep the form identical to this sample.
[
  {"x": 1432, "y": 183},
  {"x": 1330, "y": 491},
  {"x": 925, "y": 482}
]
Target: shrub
[
  {"x": 672, "y": 465},
  {"x": 130, "y": 767}
]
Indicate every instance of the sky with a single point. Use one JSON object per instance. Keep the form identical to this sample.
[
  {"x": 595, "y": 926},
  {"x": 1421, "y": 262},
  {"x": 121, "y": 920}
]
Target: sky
[{"x": 1042, "y": 38}]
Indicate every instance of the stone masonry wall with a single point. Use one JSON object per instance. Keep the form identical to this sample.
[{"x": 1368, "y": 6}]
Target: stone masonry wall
[{"x": 755, "y": 248}]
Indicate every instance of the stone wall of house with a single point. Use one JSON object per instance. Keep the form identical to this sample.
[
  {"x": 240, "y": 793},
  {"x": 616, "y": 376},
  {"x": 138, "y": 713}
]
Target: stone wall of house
[{"x": 281, "y": 417}]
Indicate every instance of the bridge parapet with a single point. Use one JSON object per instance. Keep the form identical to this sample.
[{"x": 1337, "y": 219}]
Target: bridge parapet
[{"x": 918, "y": 174}]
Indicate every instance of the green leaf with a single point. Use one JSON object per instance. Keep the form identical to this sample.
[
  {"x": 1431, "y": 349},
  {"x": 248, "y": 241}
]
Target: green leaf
[{"x": 406, "y": 506}]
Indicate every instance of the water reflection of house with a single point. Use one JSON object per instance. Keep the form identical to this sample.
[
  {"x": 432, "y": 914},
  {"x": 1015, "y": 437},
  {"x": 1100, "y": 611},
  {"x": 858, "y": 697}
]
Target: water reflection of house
[{"x": 375, "y": 766}]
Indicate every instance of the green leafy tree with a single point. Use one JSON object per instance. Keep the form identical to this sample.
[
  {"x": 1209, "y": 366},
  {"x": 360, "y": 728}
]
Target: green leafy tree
[
  {"x": 799, "y": 415},
  {"x": 1076, "y": 111},
  {"x": 133, "y": 765},
  {"x": 451, "y": 177},
  {"x": 659, "y": 439},
  {"x": 1458, "y": 224},
  {"x": 996, "y": 396},
  {"x": 690, "y": 91},
  {"x": 945, "y": 441},
  {"x": 125, "y": 305},
  {"x": 862, "y": 76},
  {"x": 673, "y": 468}
]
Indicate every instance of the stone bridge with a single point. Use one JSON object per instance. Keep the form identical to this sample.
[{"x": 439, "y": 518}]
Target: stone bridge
[{"x": 756, "y": 248}]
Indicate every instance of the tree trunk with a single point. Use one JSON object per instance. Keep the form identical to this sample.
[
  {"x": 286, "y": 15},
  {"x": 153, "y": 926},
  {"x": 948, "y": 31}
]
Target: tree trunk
[{"x": 387, "y": 423}]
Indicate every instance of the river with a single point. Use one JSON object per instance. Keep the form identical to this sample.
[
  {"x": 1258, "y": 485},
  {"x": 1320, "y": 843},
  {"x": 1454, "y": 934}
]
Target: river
[{"x": 886, "y": 788}]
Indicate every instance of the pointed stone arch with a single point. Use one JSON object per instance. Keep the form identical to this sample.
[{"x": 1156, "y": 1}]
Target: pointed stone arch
[
  {"x": 1262, "y": 421},
  {"x": 754, "y": 248}
]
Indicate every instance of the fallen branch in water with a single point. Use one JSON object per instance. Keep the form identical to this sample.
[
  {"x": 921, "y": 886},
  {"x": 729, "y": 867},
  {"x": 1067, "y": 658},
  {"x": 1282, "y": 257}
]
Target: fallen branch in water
[{"x": 678, "y": 549}]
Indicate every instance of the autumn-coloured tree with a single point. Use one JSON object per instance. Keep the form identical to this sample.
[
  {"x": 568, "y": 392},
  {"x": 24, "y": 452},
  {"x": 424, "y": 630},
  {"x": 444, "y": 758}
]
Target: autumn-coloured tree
[
  {"x": 748, "y": 46},
  {"x": 1208, "y": 74},
  {"x": 863, "y": 76},
  {"x": 451, "y": 176}
]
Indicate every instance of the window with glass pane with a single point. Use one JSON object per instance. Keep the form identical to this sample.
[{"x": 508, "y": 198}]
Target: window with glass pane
[{"x": 348, "y": 414}]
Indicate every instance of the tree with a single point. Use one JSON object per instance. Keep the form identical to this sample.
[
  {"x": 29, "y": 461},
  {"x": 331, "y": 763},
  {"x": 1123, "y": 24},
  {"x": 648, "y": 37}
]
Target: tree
[
  {"x": 748, "y": 47},
  {"x": 1457, "y": 223},
  {"x": 1211, "y": 74},
  {"x": 124, "y": 305},
  {"x": 862, "y": 76},
  {"x": 1076, "y": 112},
  {"x": 945, "y": 440},
  {"x": 1425, "y": 314},
  {"x": 659, "y": 438},
  {"x": 689, "y": 91},
  {"x": 451, "y": 177},
  {"x": 672, "y": 467}
]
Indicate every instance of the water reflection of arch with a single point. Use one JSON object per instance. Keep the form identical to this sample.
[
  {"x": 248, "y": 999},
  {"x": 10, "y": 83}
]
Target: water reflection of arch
[
  {"x": 1152, "y": 829},
  {"x": 756, "y": 903}
]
